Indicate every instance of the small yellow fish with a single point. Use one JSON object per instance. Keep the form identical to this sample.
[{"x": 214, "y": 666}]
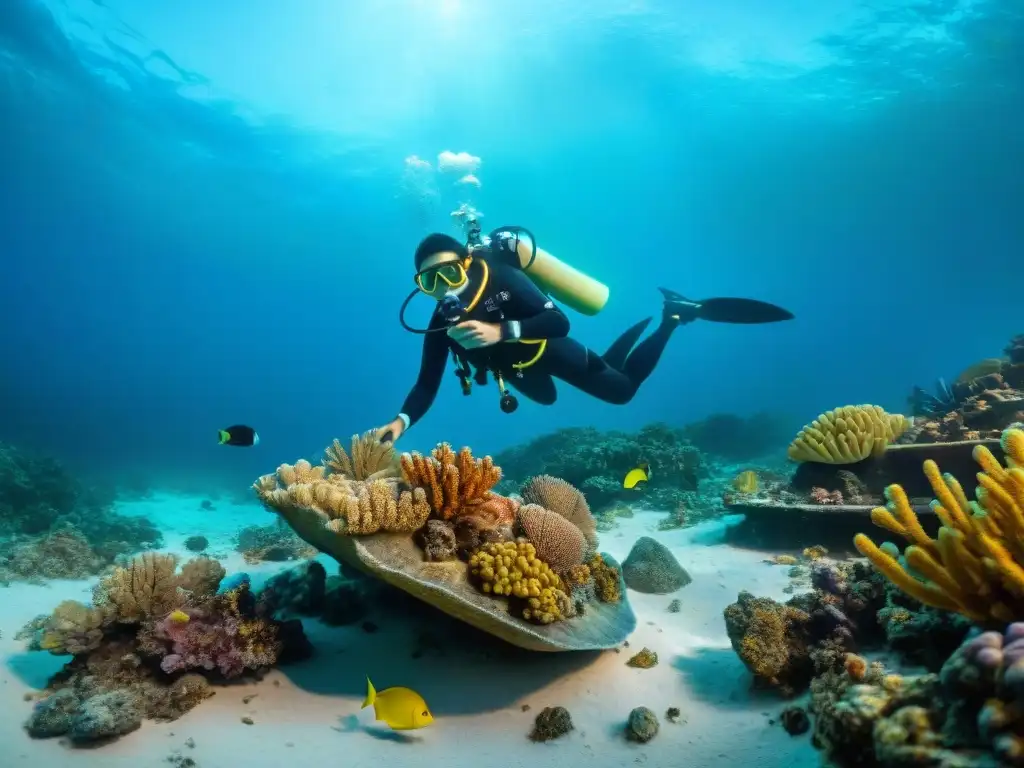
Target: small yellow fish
[
  {"x": 178, "y": 617},
  {"x": 746, "y": 481},
  {"x": 401, "y": 708},
  {"x": 636, "y": 476}
]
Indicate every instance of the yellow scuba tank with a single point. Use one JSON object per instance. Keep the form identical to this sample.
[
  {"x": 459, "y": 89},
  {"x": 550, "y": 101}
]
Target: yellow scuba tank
[{"x": 554, "y": 277}]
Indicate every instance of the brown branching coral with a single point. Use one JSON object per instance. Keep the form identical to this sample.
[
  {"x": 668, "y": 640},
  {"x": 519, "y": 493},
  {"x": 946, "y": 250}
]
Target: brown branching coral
[
  {"x": 145, "y": 588},
  {"x": 367, "y": 458},
  {"x": 558, "y": 541},
  {"x": 566, "y": 500},
  {"x": 452, "y": 481},
  {"x": 975, "y": 566},
  {"x": 347, "y": 507}
]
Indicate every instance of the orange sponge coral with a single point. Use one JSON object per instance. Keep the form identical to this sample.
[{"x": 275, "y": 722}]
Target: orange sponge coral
[
  {"x": 451, "y": 481},
  {"x": 976, "y": 564}
]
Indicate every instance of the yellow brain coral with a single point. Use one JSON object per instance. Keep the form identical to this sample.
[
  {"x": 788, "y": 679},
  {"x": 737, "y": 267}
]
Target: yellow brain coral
[
  {"x": 451, "y": 481},
  {"x": 976, "y": 564},
  {"x": 512, "y": 569},
  {"x": 847, "y": 435}
]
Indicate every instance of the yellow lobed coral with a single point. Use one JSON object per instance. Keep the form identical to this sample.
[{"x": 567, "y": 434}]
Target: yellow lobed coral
[
  {"x": 606, "y": 580},
  {"x": 564, "y": 499},
  {"x": 975, "y": 566},
  {"x": 847, "y": 435},
  {"x": 349, "y": 507},
  {"x": 451, "y": 481},
  {"x": 558, "y": 542},
  {"x": 367, "y": 458}
]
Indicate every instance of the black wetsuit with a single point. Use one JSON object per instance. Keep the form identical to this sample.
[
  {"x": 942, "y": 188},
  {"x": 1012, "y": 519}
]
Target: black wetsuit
[{"x": 511, "y": 299}]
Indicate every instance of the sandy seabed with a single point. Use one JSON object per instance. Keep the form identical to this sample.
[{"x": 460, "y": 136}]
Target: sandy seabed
[{"x": 484, "y": 694}]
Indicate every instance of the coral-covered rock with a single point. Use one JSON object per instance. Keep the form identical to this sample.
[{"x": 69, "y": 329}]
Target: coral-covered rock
[
  {"x": 642, "y": 725},
  {"x": 299, "y": 591},
  {"x": 772, "y": 640},
  {"x": 437, "y": 538},
  {"x": 651, "y": 567},
  {"x": 551, "y": 723}
]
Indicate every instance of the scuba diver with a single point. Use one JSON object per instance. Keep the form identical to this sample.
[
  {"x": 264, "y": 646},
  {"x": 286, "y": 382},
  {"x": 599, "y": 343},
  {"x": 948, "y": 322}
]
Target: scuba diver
[{"x": 496, "y": 314}]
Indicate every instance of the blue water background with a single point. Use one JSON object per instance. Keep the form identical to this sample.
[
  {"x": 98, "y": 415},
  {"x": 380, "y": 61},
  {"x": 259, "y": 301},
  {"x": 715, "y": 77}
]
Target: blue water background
[{"x": 202, "y": 217}]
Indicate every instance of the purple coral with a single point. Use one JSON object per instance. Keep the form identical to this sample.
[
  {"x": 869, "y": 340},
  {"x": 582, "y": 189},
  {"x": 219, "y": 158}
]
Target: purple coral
[
  {"x": 1000, "y": 656},
  {"x": 201, "y": 644}
]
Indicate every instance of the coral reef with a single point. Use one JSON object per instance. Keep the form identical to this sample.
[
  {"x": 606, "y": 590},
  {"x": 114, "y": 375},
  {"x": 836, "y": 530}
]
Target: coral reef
[
  {"x": 271, "y": 543},
  {"x": 595, "y": 463},
  {"x": 136, "y": 649},
  {"x": 735, "y": 438},
  {"x": 52, "y": 525},
  {"x": 299, "y": 591},
  {"x": 652, "y": 568},
  {"x": 196, "y": 543},
  {"x": 969, "y": 714},
  {"x": 975, "y": 566},
  {"x": 847, "y": 435},
  {"x": 415, "y": 517}
]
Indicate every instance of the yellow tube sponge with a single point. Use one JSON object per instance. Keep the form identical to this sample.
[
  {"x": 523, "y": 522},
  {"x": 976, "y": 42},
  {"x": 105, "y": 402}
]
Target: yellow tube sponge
[
  {"x": 975, "y": 566},
  {"x": 847, "y": 435}
]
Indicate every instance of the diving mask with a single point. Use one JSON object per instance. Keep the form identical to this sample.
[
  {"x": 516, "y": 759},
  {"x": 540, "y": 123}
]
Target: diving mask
[{"x": 451, "y": 273}]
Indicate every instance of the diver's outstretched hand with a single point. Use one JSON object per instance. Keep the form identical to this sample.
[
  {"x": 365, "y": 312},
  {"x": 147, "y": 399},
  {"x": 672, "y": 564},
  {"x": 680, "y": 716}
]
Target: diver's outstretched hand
[{"x": 390, "y": 433}]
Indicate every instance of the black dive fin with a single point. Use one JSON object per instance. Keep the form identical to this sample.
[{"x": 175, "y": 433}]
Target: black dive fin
[
  {"x": 729, "y": 310},
  {"x": 747, "y": 311},
  {"x": 616, "y": 355}
]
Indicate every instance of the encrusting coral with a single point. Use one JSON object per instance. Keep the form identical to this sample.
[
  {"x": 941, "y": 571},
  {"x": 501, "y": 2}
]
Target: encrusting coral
[
  {"x": 847, "y": 435},
  {"x": 975, "y": 566},
  {"x": 606, "y": 579},
  {"x": 513, "y": 569}
]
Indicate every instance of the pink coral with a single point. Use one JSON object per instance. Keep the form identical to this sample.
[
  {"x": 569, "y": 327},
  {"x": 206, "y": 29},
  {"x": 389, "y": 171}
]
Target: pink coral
[
  {"x": 821, "y": 496},
  {"x": 222, "y": 635}
]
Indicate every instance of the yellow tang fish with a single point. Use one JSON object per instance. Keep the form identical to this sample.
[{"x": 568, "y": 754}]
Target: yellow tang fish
[
  {"x": 401, "y": 708},
  {"x": 636, "y": 476}
]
